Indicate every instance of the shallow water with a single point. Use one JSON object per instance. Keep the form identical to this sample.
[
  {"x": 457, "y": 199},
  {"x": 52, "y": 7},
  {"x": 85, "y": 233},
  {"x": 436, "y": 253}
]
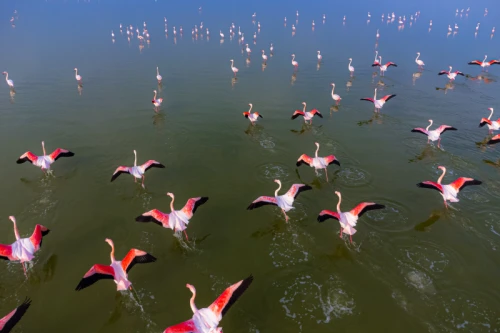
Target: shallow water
[{"x": 414, "y": 264}]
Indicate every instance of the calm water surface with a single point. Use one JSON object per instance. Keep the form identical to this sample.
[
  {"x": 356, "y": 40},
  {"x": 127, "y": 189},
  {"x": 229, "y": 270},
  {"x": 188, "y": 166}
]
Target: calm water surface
[{"x": 414, "y": 266}]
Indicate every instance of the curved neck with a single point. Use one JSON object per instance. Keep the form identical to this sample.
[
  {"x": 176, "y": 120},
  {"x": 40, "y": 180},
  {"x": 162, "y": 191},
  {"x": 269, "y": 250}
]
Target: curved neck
[
  {"x": 293, "y": 58},
  {"x": 191, "y": 301},
  {"x": 172, "y": 203},
  {"x": 251, "y": 106},
  {"x": 6, "y": 76},
  {"x": 316, "y": 153},
  {"x": 157, "y": 72},
  {"x": 338, "y": 204},
  {"x": 418, "y": 55},
  {"x": 333, "y": 89},
  {"x": 451, "y": 68},
  {"x": 232, "y": 63},
  {"x": 491, "y": 114},
  {"x": 380, "y": 59},
  {"x": 279, "y": 188},
  {"x": 304, "y": 109},
  {"x": 16, "y": 231},
  {"x": 485, "y": 58},
  {"x": 375, "y": 95},
  {"x": 112, "y": 254},
  {"x": 76, "y": 72},
  {"x": 350, "y": 61},
  {"x": 154, "y": 96},
  {"x": 427, "y": 128},
  {"x": 43, "y": 148},
  {"x": 135, "y": 158},
  {"x": 442, "y": 176}
]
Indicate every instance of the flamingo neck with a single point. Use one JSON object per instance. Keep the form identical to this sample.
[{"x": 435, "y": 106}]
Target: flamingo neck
[
  {"x": 304, "y": 109},
  {"x": 157, "y": 72},
  {"x": 316, "y": 153},
  {"x": 338, "y": 204},
  {"x": 427, "y": 128},
  {"x": 442, "y": 176},
  {"x": 43, "y": 149},
  {"x": 491, "y": 114},
  {"x": 172, "y": 203},
  {"x": 277, "y": 190},
  {"x": 485, "y": 58},
  {"x": 76, "y": 72},
  {"x": 416, "y": 59},
  {"x": 135, "y": 158},
  {"x": 191, "y": 301},
  {"x": 16, "y": 231},
  {"x": 232, "y": 63},
  {"x": 350, "y": 61},
  {"x": 6, "y": 76},
  {"x": 375, "y": 95},
  {"x": 333, "y": 89},
  {"x": 155, "y": 96},
  {"x": 112, "y": 254},
  {"x": 250, "y": 110}
]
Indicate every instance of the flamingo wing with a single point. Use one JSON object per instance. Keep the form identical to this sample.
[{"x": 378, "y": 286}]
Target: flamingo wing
[
  {"x": 9, "y": 321},
  {"x": 192, "y": 205},
  {"x": 304, "y": 159},
  {"x": 444, "y": 128},
  {"x": 462, "y": 182},
  {"x": 431, "y": 185},
  {"x": 484, "y": 121},
  {"x": 376, "y": 63},
  {"x": 475, "y": 62},
  {"x": 60, "y": 153},
  {"x": 36, "y": 237},
  {"x": 364, "y": 207},
  {"x": 297, "y": 113},
  {"x": 155, "y": 216},
  {"x": 328, "y": 214},
  {"x": 152, "y": 164},
  {"x": 315, "y": 112},
  {"x": 296, "y": 189},
  {"x": 368, "y": 99},
  {"x": 495, "y": 139},
  {"x": 387, "y": 97},
  {"x": 27, "y": 157},
  {"x": 135, "y": 256},
  {"x": 185, "y": 327},
  {"x": 96, "y": 273},
  {"x": 391, "y": 64},
  {"x": 331, "y": 159},
  {"x": 246, "y": 114},
  {"x": 119, "y": 171},
  {"x": 459, "y": 73},
  {"x": 259, "y": 115},
  {"x": 262, "y": 201},
  {"x": 5, "y": 252},
  {"x": 494, "y": 62},
  {"x": 443, "y": 73},
  {"x": 229, "y": 296},
  {"x": 420, "y": 130}
]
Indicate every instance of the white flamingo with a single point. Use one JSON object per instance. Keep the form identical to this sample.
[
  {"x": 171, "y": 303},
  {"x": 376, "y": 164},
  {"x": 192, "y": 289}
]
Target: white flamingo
[
  {"x": 419, "y": 62},
  {"x": 234, "y": 69},
  {"x": 351, "y": 69},
  {"x": 77, "y": 77},
  {"x": 335, "y": 97},
  {"x": 158, "y": 76},
  {"x": 10, "y": 83}
]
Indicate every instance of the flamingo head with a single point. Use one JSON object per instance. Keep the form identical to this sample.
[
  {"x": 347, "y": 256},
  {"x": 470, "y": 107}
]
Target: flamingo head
[
  {"x": 4, "y": 73},
  {"x": 350, "y": 59},
  {"x": 277, "y": 181},
  {"x": 304, "y": 103},
  {"x": 75, "y": 69},
  {"x": 191, "y": 287},
  {"x": 13, "y": 219},
  {"x": 418, "y": 53},
  {"x": 332, "y": 84},
  {"x": 442, "y": 168},
  {"x": 109, "y": 241},
  {"x": 430, "y": 120},
  {"x": 491, "y": 109},
  {"x": 155, "y": 91},
  {"x": 317, "y": 144},
  {"x": 170, "y": 195},
  {"x": 231, "y": 60},
  {"x": 250, "y": 104},
  {"x": 318, "y": 52},
  {"x": 135, "y": 152},
  {"x": 293, "y": 55},
  {"x": 338, "y": 193}
]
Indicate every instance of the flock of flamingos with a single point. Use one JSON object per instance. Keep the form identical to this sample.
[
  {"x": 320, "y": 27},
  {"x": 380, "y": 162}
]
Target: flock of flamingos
[{"x": 206, "y": 320}]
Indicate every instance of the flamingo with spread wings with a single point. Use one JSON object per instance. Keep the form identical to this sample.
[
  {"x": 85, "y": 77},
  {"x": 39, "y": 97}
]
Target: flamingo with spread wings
[
  {"x": 8, "y": 322},
  {"x": 434, "y": 134},
  {"x": 206, "y": 320},
  {"x": 348, "y": 220},
  {"x": 451, "y": 75},
  {"x": 383, "y": 68},
  {"x": 318, "y": 162},
  {"x": 449, "y": 192},
  {"x": 45, "y": 160},
  {"x": 308, "y": 115},
  {"x": 138, "y": 171},
  {"x": 177, "y": 220},
  {"x": 493, "y": 125},
  {"x": 484, "y": 64},
  {"x": 378, "y": 103},
  {"x": 253, "y": 117},
  {"x": 285, "y": 201},
  {"x": 117, "y": 271}
]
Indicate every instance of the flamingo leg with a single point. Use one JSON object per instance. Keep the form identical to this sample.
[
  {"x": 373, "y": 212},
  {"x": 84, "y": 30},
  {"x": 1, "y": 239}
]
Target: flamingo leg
[
  {"x": 326, "y": 173},
  {"x": 439, "y": 141},
  {"x": 350, "y": 238},
  {"x": 286, "y": 216},
  {"x": 143, "y": 178},
  {"x": 341, "y": 232},
  {"x": 24, "y": 269},
  {"x": 185, "y": 234}
]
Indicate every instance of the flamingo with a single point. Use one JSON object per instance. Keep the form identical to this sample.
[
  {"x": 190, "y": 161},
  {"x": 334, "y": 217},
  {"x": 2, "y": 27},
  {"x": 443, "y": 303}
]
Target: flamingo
[
  {"x": 335, "y": 97},
  {"x": 112, "y": 34},
  {"x": 383, "y": 68},
  {"x": 8, "y": 322},
  {"x": 376, "y": 62},
  {"x": 493, "y": 125},
  {"x": 234, "y": 69},
  {"x": 377, "y": 35},
  {"x": 419, "y": 62},
  {"x": 450, "y": 191},
  {"x": 117, "y": 271},
  {"x": 484, "y": 63},
  {"x": 285, "y": 202},
  {"x": 158, "y": 77},
  {"x": 23, "y": 249},
  {"x": 156, "y": 101},
  {"x": 271, "y": 48},
  {"x": 221, "y": 34},
  {"x": 205, "y": 320},
  {"x": 264, "y": 57},
  {"x": 319, "y": 56},
  {"x": 378, "y": 103},
  {"x": 77, "y": 77},
  {"x": 451, "y": 75},
  {"x": 138, "y": 171},
  {"x": 434, "y": 135},
  {"x": 253, "y": 117},
  {"x": 294, "y": 63},
  {"x": 248, "y": 50},
  {"x": 45, "y": 160},
  {"x": 348, "y": 220},
  {"x": 351, "y": 69},
  {"x": 318, "y": 162},
  {"x": 9, "y": 82},
  {"x": 308, "y": 115},
  {"x": 177, "y": 220}
]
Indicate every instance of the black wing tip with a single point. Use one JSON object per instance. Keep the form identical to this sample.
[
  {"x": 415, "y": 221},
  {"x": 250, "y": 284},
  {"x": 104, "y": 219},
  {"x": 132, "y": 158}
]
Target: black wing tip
[
  {"x": 299, "y": 163},
  {"x": 260, "y": 116},
  {"x": 237, "y": 293},
  {"x": 161, "y": 166},
  {"x": 493, "y": 141},
  {"x": 295, "y": 116},
  {"x": 142, "y": 218},
  {"x": 319, "y": 115},
  {"x": 336, "y": 162},
  {"x": 306, "y": 188},
  {"x": 146, "y": 258},
  {"x": 251, "y": 206},
  {"x": 452, "y": 129},
  {"x": 202, "y": 201},
  {"x": 67, "y": 154},
  {"x": 482, "y": 124},
  {"x": 378, "y": 206},
  {"x": 474, "y": 182},
  {"x": 21, "y": 160},
  {"x": 323, "y": 218},
  {"x": 46, "y": 232}
]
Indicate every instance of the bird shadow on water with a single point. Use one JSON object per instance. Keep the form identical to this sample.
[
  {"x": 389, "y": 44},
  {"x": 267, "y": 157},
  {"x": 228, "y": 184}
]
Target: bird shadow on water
[
  {"x": 428, "y": 152},
  {"x": 425, "y": 225},
  {"x": 183, "y": 246},
  {"x": 341, "y": 252},
  {"x": 305, "y": 128},
  {"x": 376, "y": 117},
  {"x": 158, "y": 119},
  {"x": 492, "y": 163}
]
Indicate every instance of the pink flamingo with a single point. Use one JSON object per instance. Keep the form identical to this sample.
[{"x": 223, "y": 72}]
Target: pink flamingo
[
  {"x": 117, "y": 271},
  {"x": 138, "y": 171},
  {"x": 45, "y": 160},
  {"x": 77, "y": 76},
  {"x": 234, "y": 69},
  {"x": 177, "y": 220},
  {"x": 253, "y": 117},
  {"x": 378, "y": 103},
  {"x": 348, "y": 220},
  {"x": 294, "y": 63},
  {"x": 8, "y": 322},
  {"x": 449, "y": 192},
  {"x": 434, "y": 134},
  {"x": 206, "y": 320},
  {"x": 484, "y": 63},
  {"x": 308, "y": 115},
  {"x": 493, "y": 125},
  {"x": 383, "y": 68},
  {"x": 451, "y": 75},
  {"x": 335, "y": 97},
  {"x": 318, "y": 162},
  {"x": 156, "y": 101}
]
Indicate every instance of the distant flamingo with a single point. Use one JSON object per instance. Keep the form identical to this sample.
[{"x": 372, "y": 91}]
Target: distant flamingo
[
  {"x": 378, "y": 103},
  {"x": 9, "y": 82},
  {"x": 271, "y": 48},
  {"x": 318, "y": 162},
  {"x": 8, "y": 322},
  {"x": 383, "y": 68},
  {"x": 206, "y": 320},
  {"x": 493, "y": 125},
  {"x": 248, "y": 50},
  {"x": 77, "y": 77},
  {"x": 319, "y": 56},
  {"x": 23, "y": 249},
  {"x": 253, "y": 117},
  {"x": 221, "y": 34},
  {"x": 348, "y": 220},
  {"x": 234, "y": 69},
  {"x": 45, "y": 160},
  {"x": 177, "y": 220},
  {"x": 264, "y": 57},
  {"x": 294, "y": 63},
  {"x": 117, "y": 271},
  {"x": 138, "y": 171},
  {"x": 156, "y": 101},
  {"x": 484, "y": 63},
  {"x": 377, "y": 35},
  {"x": 158, "y": 77},
  {"x": 451, "y": 75},
  {"x": 308, "y": 115},
  {"x": 419, "y": 62},
  {"x": 285, "y": 202},
  {"x": 376, "y": 62},
  {"x": 351, "y": 69},
  {"x": 335, "y": 97},
  {"x": 434, "y": 134},
  {"x": 450, "y": 191}
]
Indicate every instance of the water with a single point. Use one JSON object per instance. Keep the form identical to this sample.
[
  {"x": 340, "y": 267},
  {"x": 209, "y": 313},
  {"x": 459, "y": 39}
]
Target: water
[{"x": 414, "y": 265}]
